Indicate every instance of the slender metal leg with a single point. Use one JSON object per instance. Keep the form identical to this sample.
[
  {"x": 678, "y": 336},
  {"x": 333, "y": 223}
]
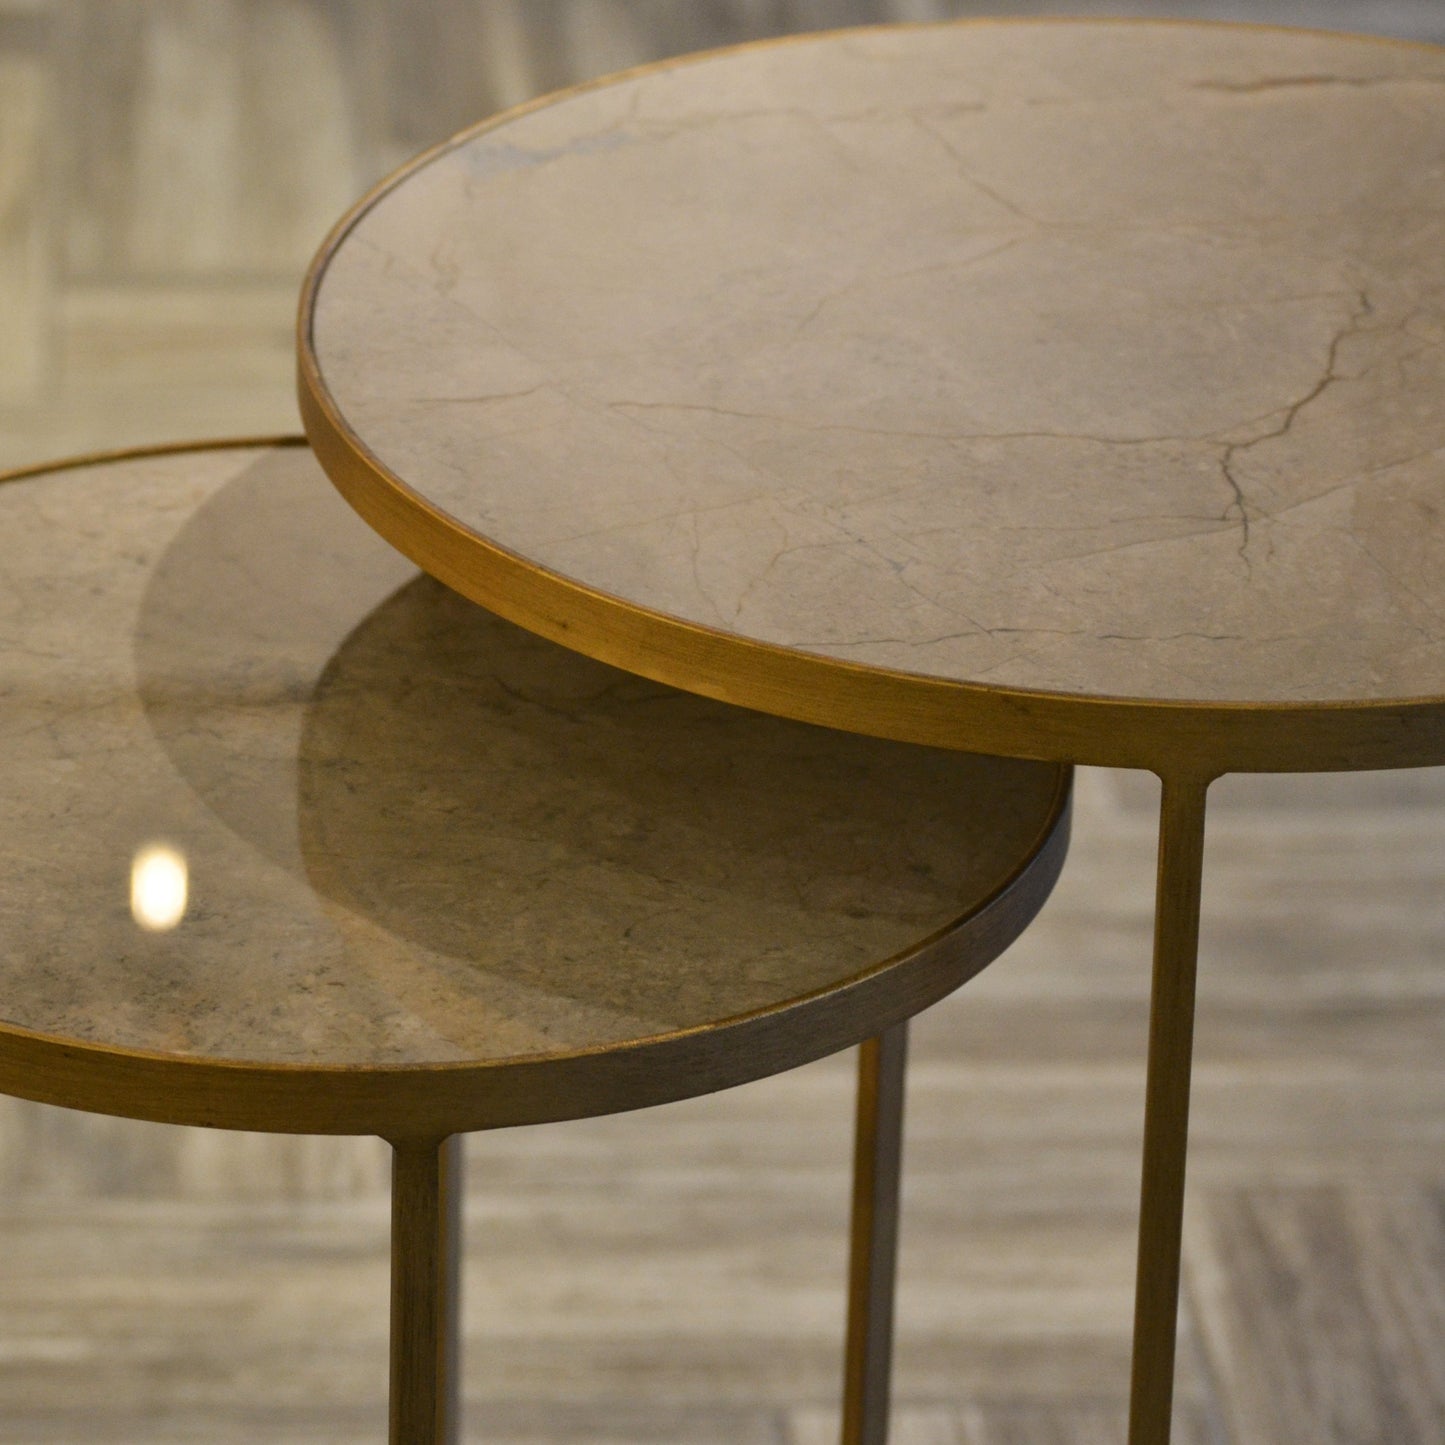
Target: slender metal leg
[
  {"x": 877, "y": 1160},
  {"x": 1166, "y": 1108},
  {"x": 454, "y": 1195},
  {"x": 426, "y": 1196}
]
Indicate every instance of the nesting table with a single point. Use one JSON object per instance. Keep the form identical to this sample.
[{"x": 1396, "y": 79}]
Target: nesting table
[
  {"x": 1059, "y": 390},
  {"x": 297, "y": 841}
]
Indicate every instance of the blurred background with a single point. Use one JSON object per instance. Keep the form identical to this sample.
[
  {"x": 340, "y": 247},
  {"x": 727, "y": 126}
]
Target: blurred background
[{"x": 167, "y": 168}]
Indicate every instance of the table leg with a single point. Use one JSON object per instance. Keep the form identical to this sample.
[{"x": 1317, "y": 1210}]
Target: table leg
[
  {"x": 877, "y": 1160},
  {"x": 1166, "y": 1107},
  {"x": 426, "y": 1200}
]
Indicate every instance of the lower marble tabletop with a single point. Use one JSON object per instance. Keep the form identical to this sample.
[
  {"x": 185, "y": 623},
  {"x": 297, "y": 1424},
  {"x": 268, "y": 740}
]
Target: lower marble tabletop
[
  {"x": 299, "y": 841},
  {"x": 416, "y": 843}
]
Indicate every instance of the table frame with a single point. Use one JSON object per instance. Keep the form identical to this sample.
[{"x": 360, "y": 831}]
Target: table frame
[{"x": 427, "y": 1194}]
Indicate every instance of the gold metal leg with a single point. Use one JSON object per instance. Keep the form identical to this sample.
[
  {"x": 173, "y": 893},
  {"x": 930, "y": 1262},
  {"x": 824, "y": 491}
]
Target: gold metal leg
[
  {"x": 426, "y": 1198},
  {"x": 1166, "y": 1108},
  {"x": 877, "y": 1161}
]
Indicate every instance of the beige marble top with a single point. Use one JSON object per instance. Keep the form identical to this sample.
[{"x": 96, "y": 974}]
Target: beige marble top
[
  {"x": 1096, "y": 359},
  {"x": 413, "y": 832}
]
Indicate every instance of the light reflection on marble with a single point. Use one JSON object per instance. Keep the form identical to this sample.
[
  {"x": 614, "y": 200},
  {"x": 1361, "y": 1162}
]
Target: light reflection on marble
[
  {"x": 160, "y": 880},
  {"x": 1097, "y": 359},
  {"x": 413, "y": 832}
]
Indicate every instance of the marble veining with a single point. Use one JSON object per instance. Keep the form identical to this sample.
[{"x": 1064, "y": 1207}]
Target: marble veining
[
  {"x": 1092, "y": 358},
  {"x": 413, "y": 832}
]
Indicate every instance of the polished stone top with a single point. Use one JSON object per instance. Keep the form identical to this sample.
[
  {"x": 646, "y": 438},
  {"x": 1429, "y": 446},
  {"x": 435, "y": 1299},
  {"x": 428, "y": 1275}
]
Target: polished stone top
[
  {"x": 410, "y": 832},
  {"x": 1095, "y": 359}
]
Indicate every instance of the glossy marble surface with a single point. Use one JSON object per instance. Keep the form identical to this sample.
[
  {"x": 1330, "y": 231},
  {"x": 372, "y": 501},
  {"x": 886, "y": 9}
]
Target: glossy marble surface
[
  {"x": 412, "y": 832},
  {"x": 1090, "y": 358}
]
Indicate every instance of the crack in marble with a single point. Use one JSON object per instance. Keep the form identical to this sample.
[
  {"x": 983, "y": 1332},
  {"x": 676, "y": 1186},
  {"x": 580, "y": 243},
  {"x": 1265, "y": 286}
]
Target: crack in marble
[
  {"x": 681, "y": 125},
  {"x": 647, "y": 919},
  {"x": 757, "y": 581},
  {"x": 1353, "y": 482},
  {"x": 1398, "y": 582},
  {"x": 982, "y": 187},
  {"x": 962, "y": 263},
  {"x": 1027, "y": 632},
  {"x": 1215, "y": 527},
  {"x": 620, "y": 408},
  {"x": 51, "y": 725},
  {"x": 1179, "y": 636},
  {"x": 1137, "y": 519},
  {"x": 832, "y": 645},
  {"x": 695, "y": 564},
  {"x": 481, "y": 399},
  {"x": 1036, "y": 632},
  {"x": 896, "y": 567},
  {"x": 423, "y": 281},
  {"x": 1240, "y": 504},
  {"x": 941, "y": 109},
  {"x": 828, "y": 648},
  {"x": 657, "y": 519},
  {"x": 922, "y": 435},
  {"x": 489, "y": 158},
  {"x": 501, "y": 434},
  {"x": 1299, "y": 82},
  {"x": 1402, "y": 363},
  {"x": 658, "y": 129},
  {"x": 1226, "y": 467},
  {"x": 1115, "y": 636}
]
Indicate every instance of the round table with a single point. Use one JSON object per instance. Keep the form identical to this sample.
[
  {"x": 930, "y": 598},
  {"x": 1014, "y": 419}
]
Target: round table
[
  {"x": 1065, "y": 390},
  {"x": 298, "y": 841}
]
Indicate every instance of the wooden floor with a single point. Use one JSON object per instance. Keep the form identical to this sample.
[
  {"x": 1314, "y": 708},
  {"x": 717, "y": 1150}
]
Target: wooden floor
[{"x": 676, "y": 1276}]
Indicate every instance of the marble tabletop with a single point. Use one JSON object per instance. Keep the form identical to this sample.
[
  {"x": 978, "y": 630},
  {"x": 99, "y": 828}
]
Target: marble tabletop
[
  {"x": 1068, "y": 360},
  {"x": 273, "y": 801}
]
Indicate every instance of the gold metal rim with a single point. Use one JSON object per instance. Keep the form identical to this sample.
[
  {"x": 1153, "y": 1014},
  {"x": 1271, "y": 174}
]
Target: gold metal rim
[
  {"x": 154, "y": 449},
  {"x": 1163, "y": 736},
  {"x": 425, "y": 1100}
]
